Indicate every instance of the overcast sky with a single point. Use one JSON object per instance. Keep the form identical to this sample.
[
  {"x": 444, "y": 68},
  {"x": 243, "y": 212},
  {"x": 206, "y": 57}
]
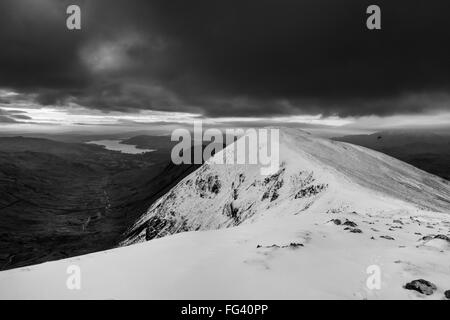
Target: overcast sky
[{"x": 267, "y": 61}]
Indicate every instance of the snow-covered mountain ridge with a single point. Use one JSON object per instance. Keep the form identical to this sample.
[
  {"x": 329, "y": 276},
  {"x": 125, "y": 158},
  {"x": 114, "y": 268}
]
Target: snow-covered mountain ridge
[
  {"x": 312, "y": 230},
  {"x": 316, "y": 175}
]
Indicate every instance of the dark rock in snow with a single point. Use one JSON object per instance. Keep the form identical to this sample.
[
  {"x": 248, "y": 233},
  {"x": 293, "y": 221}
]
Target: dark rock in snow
[
  {"x": 349, "y": 223},
  {"x": 294, "y": 245},
  {"x": 438, "y": 236},
  {"x": 231, "y": 211},
  {"x": 447, "y": 294},
  {"x": 336, "y": 221},
  {"x": 442, "y": 237},
  {"x": 156, "y": 227},
  {"x": 387, "y": 237},
  {"x": 274, "y": 177},
  {"x": 272, "y": 246},
  {"x": 210, "y": 184},
  {"x": 353, "y": 230},
  {"x": 422, "y": 286},
  {"x": 275, "y": 196},
  {"x": 310, "y": 191}
]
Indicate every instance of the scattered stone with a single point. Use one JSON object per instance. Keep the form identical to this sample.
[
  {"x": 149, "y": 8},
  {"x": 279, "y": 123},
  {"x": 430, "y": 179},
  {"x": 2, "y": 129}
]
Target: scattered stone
[
  {"x": 294, "y": 245},
  {"x": 438, "y": 236},
  {"x": 442, "y": 237},
  {"x": 397, "y": 221},
  {"x": 447, "y": 294},
  {"x": 336, "y": 221},
  {"x": 273, "y": 246},
  {"x": 422, "y": 286},
  {"x": 372, "y": 238},
  {"x": 353, "y": 230},
  {"x": 291, "y": 245},
  {"x": 387, "y": 237},
  {"x": 349, "y": 223}
]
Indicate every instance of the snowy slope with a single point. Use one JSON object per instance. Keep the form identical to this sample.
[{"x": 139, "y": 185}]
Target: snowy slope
[
  {"x": 310, "y": 230},
  {"x": 316, "y": 175}
]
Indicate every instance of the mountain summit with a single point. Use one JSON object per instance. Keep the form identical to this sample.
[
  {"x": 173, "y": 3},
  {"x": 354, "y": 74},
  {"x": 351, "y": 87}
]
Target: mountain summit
[{"x": 315, "y": 175}]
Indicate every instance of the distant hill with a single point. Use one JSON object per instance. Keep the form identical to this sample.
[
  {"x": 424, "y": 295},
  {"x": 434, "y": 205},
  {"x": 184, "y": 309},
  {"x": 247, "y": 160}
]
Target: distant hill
[
  {"x": 425, "y": 150},
  {"x": 150, "y": 142},
  {"x": 22, "y": 144}
]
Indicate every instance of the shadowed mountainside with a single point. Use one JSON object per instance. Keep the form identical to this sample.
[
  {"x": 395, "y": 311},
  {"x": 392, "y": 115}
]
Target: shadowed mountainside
[
  {"x": 427, "y": 151},
  {"x": 64, "y": 199}
]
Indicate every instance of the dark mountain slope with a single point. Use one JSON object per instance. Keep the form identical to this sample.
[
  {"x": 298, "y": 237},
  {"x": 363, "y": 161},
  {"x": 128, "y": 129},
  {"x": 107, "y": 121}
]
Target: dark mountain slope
[
  {"x": 65, "y": 199},
  {"x": 427, "y": 151}
]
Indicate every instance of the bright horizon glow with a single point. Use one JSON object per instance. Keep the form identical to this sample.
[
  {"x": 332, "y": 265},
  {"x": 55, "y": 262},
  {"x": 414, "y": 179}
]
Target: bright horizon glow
[
  {"x": 77, "y": 118},
  {"x": 77, "y": 115}
]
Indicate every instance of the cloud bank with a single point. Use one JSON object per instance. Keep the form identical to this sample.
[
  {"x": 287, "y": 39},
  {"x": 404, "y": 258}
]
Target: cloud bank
[{"x": 229, "y": 59}]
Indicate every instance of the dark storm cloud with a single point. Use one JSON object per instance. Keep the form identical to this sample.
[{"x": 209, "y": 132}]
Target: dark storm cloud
[
  {"x": 226, "y": 58},
  {"x": 36, "y": 52}
]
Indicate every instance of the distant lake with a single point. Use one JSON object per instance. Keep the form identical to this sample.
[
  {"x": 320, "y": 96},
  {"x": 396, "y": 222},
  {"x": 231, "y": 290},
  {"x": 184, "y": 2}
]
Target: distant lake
[{"x": 116, "y": 145}]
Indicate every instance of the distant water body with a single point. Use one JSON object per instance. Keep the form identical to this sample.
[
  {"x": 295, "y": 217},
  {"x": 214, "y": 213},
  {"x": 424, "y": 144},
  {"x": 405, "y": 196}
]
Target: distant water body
[{"x": 116, "y": 145}]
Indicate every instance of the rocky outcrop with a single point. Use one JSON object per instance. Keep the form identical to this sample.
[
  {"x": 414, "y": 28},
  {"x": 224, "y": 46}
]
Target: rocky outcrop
[{"x": 422, "y": 286}]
